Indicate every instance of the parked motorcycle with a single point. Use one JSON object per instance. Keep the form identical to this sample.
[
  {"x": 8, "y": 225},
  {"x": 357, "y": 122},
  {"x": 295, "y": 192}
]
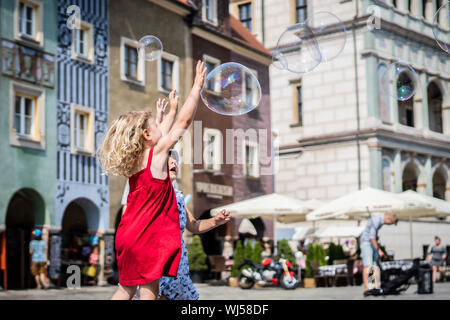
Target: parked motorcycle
[{"x": 270, "y": 272}]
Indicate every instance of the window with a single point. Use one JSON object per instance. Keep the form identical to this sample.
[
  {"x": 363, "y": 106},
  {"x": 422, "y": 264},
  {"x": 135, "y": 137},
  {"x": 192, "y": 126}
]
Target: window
[
  {"x": 82, "y": 134},
  {"x": 405, "y": 108},
  {"x": 245, "y": 15},
  {"x": 249, "y": 90},
  {"x": 209, "y": 9},
  {"x": 83, "y": 43},
  {"x": 212, "y": 154},
  {"x": 24, "y": 115},
  {"x": 27, "y": 122},
  {"x": 28, "y": 19},
  {"x": 251, "y": 163},
  {"x": 300, "y": 11},
  {"x": 168, "y": 72},
  {"x": 298, "y": 108},
  {"x": 210, "y": 64},
  {"x": 132, "y": 61}
]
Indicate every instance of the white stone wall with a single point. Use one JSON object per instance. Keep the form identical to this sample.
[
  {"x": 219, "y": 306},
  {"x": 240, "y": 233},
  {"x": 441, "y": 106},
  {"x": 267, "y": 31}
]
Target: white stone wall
[{"x": 323, "y": 173}]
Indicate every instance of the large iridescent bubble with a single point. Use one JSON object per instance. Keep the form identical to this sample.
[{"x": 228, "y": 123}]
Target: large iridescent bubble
[
  {"x": 400, "y": 81},
  {"x": 297, "y": 50},
  {"x": 152, "y": 47},
  {"x": 441, "y": 27},
  {"x": 330, "y": 33},
  {"x": 231, "y": 89}
]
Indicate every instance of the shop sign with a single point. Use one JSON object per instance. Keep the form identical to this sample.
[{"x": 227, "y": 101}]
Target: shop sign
[{"x": 213, "y": 190}]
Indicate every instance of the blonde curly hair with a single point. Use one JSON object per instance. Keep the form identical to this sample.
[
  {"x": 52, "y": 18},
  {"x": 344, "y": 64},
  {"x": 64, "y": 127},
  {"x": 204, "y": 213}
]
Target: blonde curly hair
[{"x": 122, "y": 148}]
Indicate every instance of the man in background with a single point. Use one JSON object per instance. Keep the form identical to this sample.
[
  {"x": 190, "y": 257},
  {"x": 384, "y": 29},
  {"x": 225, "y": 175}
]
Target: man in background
[{"x": 370, "y": 249}]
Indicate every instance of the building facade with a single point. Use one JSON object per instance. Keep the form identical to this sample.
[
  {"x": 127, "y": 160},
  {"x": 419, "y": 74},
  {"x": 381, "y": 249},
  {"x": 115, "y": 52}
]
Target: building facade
[
  {"x": 28, "y": 131},
  {"x": 231, "y": 154},
  {"x": 82, "y": 191},
  {"x": 54, "y": 80},
  {"x": 338, "y": 129},
  {"x": 137, "y": 84}
]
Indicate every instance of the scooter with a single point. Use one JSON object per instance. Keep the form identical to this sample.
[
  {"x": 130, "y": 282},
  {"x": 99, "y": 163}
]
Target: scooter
[{"x": 270, "y": 272}]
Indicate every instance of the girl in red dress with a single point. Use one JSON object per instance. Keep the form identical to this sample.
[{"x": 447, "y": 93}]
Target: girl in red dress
[{"x": 148, "y": 241}]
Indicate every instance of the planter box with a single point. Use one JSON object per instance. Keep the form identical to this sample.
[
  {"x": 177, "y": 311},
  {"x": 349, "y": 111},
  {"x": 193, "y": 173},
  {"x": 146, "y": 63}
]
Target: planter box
[
  {"x": 310, "y": 283},
  {"x": 233, "y": 282}
]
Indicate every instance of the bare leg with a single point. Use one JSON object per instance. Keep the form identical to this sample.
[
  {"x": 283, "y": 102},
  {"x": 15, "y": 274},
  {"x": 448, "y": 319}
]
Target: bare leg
[
  {"x": 38, "y": 284},
  {"x": 124, "y": 293},
  {"x": 366, "y": 278},
  {"x": 434, "y": 273},
  {"x": 150, "y": 291},
  {"x": 441, "y": 274},
  {"x": 44, "y": 280}
]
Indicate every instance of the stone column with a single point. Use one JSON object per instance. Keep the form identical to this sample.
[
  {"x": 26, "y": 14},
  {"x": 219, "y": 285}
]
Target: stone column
[
  {"x": 430, "y": 10},
  {"x": 447, "y": 190},
  {"x": 426, "y": 179},
  {"x": 417, "y": 8},
  {"x": 372, "y": 87},
  {"x": 403, "y": 5},
  {"x": 376, "y": 176},
  {"x": 422, "y": 104},
  {"x": 398, "y": 171},
  {"x": 101, "y": 261},
  {"x": 446, "y": 118}
]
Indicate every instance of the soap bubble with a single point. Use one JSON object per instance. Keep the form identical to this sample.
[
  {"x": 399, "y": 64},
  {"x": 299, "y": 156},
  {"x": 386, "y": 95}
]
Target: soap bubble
[
  {"x": 441, "y": 27},
  {"x": 231, "y": 89},
  {"x": 297, "y": 50},
  {"x": 406, "y": 81},
  {"x": 152, "y": 47},
  {"x": 330, "y": 33}
]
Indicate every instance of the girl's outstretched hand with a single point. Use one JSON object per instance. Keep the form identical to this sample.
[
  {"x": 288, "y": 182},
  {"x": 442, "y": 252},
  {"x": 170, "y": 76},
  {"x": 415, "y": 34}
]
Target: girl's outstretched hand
[
  {"x": 222, "y": 217},
  {"x": 161, "y": 106},
  {"x": 200, "y": 74},
  {"x": 173, "y": 101}
]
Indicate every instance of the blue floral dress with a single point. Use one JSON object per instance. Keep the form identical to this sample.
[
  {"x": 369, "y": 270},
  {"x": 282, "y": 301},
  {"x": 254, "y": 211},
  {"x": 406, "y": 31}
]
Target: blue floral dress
[{"x": 181, "y": 287}]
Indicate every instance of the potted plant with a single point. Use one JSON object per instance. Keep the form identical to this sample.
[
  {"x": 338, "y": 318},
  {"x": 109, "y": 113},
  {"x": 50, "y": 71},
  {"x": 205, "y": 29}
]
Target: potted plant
[
  {"x": 309, "y": 281},
  {"x": 238, "y": 257},
  {"x": 197, "y": 260},
  {"x": 285, "y": 249}
]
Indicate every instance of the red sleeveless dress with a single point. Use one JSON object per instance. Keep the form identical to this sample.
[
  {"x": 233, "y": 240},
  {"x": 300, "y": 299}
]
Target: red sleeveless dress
[{"x": 148, "y": 239}]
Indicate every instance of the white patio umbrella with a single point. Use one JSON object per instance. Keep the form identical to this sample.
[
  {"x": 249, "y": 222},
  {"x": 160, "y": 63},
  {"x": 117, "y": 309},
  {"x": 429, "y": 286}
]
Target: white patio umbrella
[
  {"x": 338, "y": 232},
  {"x": 363, "y": 203},
  {"x": 368, "y": 201},
  {"x": 274, "y": 206},
  {"x": 441, "y": 207}
]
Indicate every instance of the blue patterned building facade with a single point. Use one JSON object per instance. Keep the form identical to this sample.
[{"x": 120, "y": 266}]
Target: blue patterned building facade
[{"x": 82, "y": 192}]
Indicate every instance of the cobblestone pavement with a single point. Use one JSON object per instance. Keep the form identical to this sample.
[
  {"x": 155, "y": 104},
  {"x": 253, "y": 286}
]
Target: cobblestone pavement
[{"x": 441, "y": 291}]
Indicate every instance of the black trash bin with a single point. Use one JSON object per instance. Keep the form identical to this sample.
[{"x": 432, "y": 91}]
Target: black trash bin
[{"x": 425, "y": 280}]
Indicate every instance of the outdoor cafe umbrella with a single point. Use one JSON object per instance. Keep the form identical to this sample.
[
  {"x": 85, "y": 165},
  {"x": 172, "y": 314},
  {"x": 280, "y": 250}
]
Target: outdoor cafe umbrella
[
  {"x": 275, "y": 206},
  {"x": 363, "y": 203},
  {"x": 442, "y": 208}
]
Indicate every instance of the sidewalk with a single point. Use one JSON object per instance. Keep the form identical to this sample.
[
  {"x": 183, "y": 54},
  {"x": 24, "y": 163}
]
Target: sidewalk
[{"x": 441, "y": 291}]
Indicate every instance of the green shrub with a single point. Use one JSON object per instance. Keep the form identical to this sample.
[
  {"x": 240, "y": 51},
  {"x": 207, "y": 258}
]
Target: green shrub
[
  {"x": 257, "y": 253},
  {"x": 237, "y": 259},
  {"x": 335, "y": 252},
  {"x": 248, "y": 252},
  {"x": 315, "y": 253},
  {"x": 285, "y": 249},
  {"x": 196, "y": 255}
]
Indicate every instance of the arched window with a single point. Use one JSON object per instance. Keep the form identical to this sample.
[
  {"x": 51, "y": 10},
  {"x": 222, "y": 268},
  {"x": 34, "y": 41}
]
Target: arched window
[
  {"x": 406, "y": 107},
  {"x": 439, "y": 183},
  {"x": 410, "y": 177},
  {"x": 435, "y": 107},
  {"x": 383, "y": 93},
  {"x": 386, "y": 171}
]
